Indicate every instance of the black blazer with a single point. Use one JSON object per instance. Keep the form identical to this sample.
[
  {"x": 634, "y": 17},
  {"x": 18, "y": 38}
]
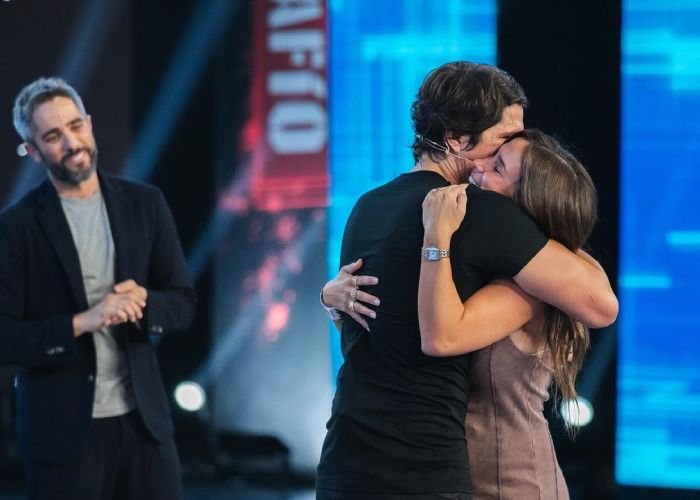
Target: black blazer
[{"x": 41, "y": 289}]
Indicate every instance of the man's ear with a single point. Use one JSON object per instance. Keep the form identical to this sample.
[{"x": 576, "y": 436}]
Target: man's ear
[
  {"x": 32, "y": 151},
  {"x": 457, "y": 143}
]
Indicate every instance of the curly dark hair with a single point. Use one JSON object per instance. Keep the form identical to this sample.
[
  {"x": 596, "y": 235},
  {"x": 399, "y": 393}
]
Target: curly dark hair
[{"x": 462, "y": 98}]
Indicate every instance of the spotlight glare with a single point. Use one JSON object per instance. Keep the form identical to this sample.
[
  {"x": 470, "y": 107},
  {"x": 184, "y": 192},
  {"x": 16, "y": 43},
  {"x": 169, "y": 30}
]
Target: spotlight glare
[
  {"x": 577, "y": 413},
  {"x": 190, "y": 396}
]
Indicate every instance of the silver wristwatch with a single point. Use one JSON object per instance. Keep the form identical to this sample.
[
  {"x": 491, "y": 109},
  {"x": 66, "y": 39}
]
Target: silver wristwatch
[
  {"x": 434, "y": 253},
  {"x": 333, "y": 313}
]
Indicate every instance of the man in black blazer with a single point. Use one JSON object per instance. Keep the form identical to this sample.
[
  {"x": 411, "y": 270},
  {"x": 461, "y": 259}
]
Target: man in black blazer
[{"x": 90, "y": 266}]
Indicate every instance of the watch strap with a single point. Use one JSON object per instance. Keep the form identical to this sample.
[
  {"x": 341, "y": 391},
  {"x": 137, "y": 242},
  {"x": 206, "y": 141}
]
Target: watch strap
[{"x": 332, "y": 312}]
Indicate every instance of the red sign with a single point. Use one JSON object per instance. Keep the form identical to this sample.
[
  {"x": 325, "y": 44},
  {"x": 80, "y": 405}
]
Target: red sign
[{"x": 288, "y": 128}]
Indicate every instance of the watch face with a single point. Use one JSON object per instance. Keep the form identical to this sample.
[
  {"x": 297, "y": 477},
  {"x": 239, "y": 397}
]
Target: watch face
[{"x": 433, "y": 253}]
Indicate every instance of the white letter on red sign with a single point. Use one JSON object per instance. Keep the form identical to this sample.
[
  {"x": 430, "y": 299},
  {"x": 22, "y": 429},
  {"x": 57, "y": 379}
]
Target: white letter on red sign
[
  {"x": 298, "y": 43},
  {"x": 297, "y": 82},
  {"x": 297, "y": 127},
  {"x": 294, "y": 12}
]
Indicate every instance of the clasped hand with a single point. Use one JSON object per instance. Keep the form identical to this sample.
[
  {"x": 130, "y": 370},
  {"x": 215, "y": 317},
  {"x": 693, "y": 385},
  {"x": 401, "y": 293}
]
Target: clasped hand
[{"x": 125, "y": 303}]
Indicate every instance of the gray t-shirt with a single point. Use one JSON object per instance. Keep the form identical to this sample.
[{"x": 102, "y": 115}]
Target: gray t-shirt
[{"x": 89, "y": 225}]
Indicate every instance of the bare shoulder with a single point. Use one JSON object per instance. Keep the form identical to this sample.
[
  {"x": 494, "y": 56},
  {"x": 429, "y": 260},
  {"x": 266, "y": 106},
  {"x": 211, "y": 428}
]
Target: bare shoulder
[{"x": 530, "y": 338}]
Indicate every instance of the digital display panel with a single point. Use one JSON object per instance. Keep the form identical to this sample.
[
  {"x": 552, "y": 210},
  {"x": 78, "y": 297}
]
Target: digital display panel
[
  {"x": 379, "y": 55},
  {"x": 658, "y": 428}
]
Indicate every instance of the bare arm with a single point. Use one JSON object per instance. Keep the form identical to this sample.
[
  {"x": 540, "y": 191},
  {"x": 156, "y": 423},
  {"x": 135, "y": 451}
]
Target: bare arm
[
  {"x": 572, "y": 282},
  {"x": 448, "y": 326}
]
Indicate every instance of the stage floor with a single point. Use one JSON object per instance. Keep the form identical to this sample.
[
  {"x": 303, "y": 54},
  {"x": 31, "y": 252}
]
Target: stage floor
[
  {"x": 239, "y": 489},
  {"x": 219, "y": 490}
]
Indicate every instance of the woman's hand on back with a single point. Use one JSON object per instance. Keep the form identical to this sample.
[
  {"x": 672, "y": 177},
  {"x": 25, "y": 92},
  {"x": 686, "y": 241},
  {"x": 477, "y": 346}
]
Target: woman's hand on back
[
  {"x": 443, "y": 212},
  {"x": 344, "y": 294}
]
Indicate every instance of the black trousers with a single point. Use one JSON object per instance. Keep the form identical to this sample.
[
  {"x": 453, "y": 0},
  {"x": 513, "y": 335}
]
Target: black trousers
[{"x": 120, "y": 461}]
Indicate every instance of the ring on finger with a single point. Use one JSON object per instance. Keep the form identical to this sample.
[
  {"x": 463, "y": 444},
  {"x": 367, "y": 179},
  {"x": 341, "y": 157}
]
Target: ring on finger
[
  {"x": 354, "y": 280},
  {"x": 353, "y": 293},
  {"x": 351, "y": 305}
]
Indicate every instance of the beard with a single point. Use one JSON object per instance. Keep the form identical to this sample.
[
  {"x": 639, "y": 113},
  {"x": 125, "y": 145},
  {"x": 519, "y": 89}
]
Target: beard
[{"x": 61, "y": 172}]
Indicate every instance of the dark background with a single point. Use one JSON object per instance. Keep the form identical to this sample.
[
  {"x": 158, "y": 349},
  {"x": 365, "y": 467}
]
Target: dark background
[
  {"x": 565, "y": 54},
  {"x": 572, "y": 79}
]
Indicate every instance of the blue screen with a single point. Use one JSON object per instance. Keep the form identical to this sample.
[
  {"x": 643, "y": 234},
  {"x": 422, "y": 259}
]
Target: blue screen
[
  {"x": 379, "y": 54},
  {"x": 658, "y": 429}
]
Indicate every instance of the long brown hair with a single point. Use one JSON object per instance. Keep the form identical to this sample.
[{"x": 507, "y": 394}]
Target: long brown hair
[{"x": 559, "y": 195}]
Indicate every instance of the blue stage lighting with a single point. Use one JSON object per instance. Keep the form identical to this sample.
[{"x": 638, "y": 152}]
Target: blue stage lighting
[
  {"x": 658, "y": 425},
  {"x": 378, "y": 58}
]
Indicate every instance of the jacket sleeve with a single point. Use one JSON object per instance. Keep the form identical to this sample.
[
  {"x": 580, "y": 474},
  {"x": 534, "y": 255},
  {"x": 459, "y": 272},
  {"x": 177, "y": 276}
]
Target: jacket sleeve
[
  {"x": 27, "y": 342},
  {"x": 172, "y": 300}
]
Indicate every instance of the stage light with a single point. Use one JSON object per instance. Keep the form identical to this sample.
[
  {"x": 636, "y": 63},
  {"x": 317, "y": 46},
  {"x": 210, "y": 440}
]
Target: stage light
[
  {"x": 577, "y": 413},
  {"x": 190, "y": 396}
]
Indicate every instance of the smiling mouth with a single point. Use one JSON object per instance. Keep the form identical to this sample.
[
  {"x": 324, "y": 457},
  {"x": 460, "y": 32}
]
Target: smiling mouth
[{"x": 74, "y": 157}]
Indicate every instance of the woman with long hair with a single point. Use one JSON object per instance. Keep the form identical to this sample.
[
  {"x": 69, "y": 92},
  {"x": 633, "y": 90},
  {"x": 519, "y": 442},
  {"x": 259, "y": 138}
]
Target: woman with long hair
[{"x": 521, "y": 345}]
